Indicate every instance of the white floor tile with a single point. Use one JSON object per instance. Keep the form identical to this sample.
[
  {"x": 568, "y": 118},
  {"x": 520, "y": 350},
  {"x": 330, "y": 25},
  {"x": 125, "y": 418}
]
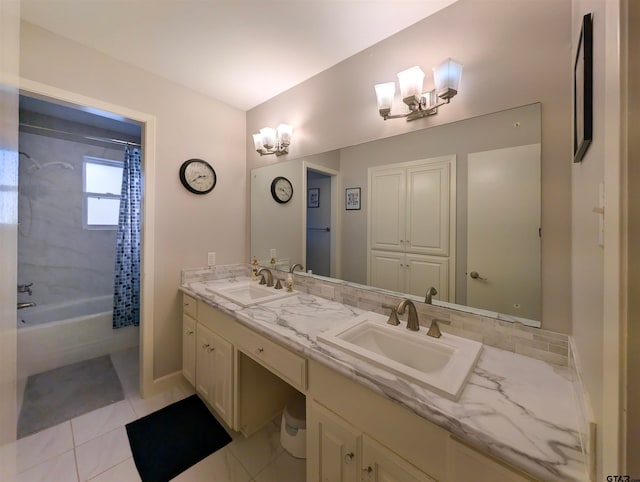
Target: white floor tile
[
  {"x": 285, "y": 467},
  {"x": 58, "y": 469},
  {"x": 123, "y": 472},
  {"x": 257, "y": 451},
  {"x": 221, "y": 465},
  {"x": 100, "y": 421},
  {"x": 149, "y": 405},
  {"x": 43, "y": 446},
  {"x": 102, "y": 453}
]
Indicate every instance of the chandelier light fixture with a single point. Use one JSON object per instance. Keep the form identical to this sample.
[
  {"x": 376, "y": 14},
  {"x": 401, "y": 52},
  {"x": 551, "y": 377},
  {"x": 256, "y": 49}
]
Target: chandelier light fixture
[
  {"x": 446, "y": 77},
  {"x": 273, "y": 141}
]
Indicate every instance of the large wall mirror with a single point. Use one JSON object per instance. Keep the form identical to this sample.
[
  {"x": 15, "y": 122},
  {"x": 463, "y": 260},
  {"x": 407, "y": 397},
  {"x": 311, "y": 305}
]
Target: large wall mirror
[{"x": 455, "y": 206}]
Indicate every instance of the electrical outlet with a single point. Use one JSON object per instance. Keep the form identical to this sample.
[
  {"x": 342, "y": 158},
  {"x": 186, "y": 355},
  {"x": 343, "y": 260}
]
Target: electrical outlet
[
  {"x": 273, "y": 252},
  {"x": 211, "y": 259}
]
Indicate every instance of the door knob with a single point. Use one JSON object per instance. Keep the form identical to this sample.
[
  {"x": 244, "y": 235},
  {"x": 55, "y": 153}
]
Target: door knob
[{"x": 475, "y": 275}]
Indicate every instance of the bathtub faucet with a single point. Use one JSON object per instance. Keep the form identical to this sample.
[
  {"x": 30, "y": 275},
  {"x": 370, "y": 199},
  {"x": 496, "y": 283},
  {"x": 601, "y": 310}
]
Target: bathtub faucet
[
  {"x": 28, "y": 304},
  {"x": 25, "y": 288}
]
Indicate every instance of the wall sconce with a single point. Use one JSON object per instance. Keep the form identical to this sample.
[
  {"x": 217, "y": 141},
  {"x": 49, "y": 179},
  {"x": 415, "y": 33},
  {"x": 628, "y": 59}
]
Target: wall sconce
[
  {"x": 273, "y": 141},
  {"x": 446, "y": 77}
]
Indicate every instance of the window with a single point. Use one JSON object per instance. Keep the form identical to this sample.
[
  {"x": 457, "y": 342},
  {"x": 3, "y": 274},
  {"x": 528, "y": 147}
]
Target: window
[{"x": 101, "y": 186}]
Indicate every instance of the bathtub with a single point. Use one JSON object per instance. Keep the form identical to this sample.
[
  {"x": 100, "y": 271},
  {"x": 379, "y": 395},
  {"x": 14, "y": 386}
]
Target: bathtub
[{"x": 51, "y": 336}]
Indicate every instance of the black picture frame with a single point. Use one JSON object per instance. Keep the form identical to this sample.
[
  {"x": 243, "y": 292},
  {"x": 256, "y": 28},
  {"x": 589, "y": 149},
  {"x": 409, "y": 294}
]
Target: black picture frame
[
  {"x": 583, "y": 91},
  {"x": 352, "y": 199},
  {"x": 313, "y": 197}
]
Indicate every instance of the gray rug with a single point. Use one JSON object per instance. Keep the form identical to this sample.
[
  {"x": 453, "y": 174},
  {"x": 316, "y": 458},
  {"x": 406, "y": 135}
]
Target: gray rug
[{"x": 61, "y": 394}]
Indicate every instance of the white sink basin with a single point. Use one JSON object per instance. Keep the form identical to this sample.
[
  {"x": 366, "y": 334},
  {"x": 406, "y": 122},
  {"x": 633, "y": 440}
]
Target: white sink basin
[
  {"x": 442, "y": 365},
  {"x": 245, "y": 292}
]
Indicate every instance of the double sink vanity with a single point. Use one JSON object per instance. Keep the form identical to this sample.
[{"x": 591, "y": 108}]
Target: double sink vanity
[{"x": 383, "y": 402}]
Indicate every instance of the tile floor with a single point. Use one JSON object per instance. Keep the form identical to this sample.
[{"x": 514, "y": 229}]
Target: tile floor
[{"x": 94, "y": 446}]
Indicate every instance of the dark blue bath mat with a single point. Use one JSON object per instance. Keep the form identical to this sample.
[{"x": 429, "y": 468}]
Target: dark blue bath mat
[
  {"x": 169, "y": 441},
  {"x": 58, "y": 395}
]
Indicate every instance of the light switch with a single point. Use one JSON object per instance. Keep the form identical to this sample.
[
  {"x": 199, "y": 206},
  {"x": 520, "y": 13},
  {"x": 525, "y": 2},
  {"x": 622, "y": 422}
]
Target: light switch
[{"x": 211, "y": 259}]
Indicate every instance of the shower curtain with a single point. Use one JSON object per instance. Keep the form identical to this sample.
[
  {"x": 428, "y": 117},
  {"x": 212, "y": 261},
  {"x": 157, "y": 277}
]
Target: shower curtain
[{"x": 126, "y": 299}]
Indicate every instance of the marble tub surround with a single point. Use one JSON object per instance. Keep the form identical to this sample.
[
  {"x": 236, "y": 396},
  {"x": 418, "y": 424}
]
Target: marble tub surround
[{"x": 514, "y": 407}]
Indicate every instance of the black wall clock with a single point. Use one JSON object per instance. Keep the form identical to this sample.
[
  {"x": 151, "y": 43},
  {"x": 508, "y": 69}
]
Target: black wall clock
[
  {"x": 281, "y": 190},
  {"x": 197, "y": 176}
]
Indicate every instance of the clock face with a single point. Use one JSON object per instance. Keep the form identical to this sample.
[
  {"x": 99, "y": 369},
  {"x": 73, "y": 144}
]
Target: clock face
[
  {"x": 197, "y": 176},
  {"x": 281, "y": 189}
]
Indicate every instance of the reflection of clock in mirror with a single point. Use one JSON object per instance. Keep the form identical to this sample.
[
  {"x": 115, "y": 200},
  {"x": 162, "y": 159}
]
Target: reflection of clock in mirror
[
  {"x": 197, "y": 176},
  {"x": 281, "y": 189}
]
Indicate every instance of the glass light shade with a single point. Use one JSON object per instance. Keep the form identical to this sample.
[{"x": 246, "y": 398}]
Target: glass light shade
[
  {"x": 385, "y": 94},
  {"x": 284, "y": 134},
  {"x": 257, "y": 142},
  {"x": 411, "y": 82},
  {"x": 268, "y": 136},
  {"x": 447, "y": 77}
]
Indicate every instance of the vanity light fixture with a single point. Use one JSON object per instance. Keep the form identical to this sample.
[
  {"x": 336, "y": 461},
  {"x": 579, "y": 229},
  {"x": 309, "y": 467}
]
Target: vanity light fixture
[
  {"x": 273, "y": 141},
  {"x": 446, "y": 77}
]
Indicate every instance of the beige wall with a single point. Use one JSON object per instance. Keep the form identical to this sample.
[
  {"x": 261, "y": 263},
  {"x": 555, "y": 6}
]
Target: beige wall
[
  {"x": 514, "y": 53},
  {"x": 633, "y": 179},
  {"x": 596, "y": 270},
  {"x": 189, "y": 125},
  {"x": 9, "y": 54}
]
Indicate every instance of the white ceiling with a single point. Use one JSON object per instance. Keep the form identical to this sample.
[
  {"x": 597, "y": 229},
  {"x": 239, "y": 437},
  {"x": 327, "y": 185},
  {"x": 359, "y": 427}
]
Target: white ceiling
[{"x": 242, "y": 52}]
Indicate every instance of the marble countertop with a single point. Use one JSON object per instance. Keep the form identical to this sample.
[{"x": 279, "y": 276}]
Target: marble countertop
[{"x": 517, "y": 408}]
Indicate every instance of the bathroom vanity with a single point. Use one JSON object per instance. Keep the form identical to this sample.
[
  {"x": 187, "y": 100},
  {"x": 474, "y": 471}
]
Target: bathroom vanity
[{"x": 514, "y": 420}]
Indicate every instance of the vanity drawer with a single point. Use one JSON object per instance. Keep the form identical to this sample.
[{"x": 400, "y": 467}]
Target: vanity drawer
[
  {"x": 287, "y": 365},
  {"x": 189, "y": 306}
]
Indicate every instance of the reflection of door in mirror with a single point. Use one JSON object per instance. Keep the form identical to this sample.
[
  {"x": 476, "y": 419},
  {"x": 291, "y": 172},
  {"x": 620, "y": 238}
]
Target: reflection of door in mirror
[
  {"x": 318, "y": 223},
  {"x": 503, "y": 249},
  {"x": 412, "y": 227}
]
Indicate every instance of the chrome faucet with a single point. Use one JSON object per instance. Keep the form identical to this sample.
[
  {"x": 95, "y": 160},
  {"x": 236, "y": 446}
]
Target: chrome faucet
[
  {"x": 430, "y": 292},
  {"x": 297, "y": 265},
  {"x": 269, "y": 280},
  {"x": 28, "y": 304},
  {"x": 25, "y": 288},
  {"x": 434, "y": 329},
  {"x": 412, "y": 318}
]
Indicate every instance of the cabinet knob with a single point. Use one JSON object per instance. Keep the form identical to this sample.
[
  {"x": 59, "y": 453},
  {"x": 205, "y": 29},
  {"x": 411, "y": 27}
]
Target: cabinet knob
[
  {"x": 260, "y": 350},
  {"x": 349, "y": 457},
  {"x": 367, "y": 472},
  {"x": 189, "y": 332},
  {"x": 210, "y": 349},
  {"x": 205, "y": 345}
]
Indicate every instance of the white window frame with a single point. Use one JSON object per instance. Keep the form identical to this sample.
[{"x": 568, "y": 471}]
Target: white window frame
[{"x": 96, "y": 195}]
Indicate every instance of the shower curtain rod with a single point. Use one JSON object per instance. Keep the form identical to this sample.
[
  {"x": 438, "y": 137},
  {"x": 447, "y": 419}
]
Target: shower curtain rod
[{"x": 91, "y": 138}]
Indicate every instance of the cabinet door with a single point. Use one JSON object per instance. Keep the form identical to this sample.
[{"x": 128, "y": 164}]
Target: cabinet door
[
  {"x": 221, "y": 398},
  {"x": 214, "y": 374},
  {"x": 333, "y": 453},
  {"x": 189, "y": 349},
  {"x": 205, "y": 363},
  {"x": 424, "y": 271},
  {"x": 387, "y": 209},
  {"x": 466, "y": 463},
  {"x": 428, "y": 213},
  {"x": 387, "y": 270},
  {"x": 380, "y": 464}
]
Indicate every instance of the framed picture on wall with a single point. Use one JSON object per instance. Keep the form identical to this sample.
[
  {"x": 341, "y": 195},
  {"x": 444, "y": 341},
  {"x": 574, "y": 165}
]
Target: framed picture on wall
[
  {"x": 583, "y": 91},
  {"x": 352, "y": 198},
  {"x": 313, "y": 197}
]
